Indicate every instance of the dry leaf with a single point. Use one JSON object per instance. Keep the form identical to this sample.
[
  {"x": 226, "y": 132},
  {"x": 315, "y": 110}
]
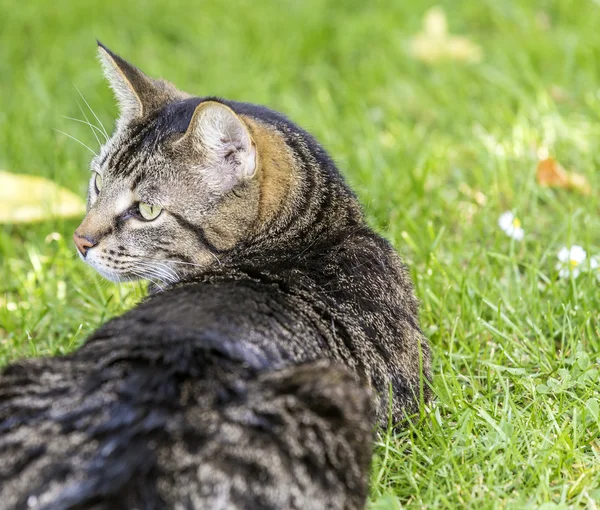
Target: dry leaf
[
  {"x": 434, "y": 43},
  {"x": 550, "y": 173},
  {"x": 27, "y": 198}
]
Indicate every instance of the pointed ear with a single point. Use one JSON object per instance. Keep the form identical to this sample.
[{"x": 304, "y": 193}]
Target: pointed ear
[
  {"x": 136, "y": 93},
  {"x": 224, "y": 143}
]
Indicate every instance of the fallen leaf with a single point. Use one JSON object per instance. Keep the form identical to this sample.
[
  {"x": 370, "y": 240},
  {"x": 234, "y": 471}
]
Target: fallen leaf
[
  {"x": 551, "y": 173},
  {"x": 28, "y": 198},
  {"x": 435, "y": 43}
]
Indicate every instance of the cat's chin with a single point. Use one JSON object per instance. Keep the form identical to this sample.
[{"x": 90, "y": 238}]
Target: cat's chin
[
  {"x": 153, "y": 287},
  {"x": 113, "y": 276}
]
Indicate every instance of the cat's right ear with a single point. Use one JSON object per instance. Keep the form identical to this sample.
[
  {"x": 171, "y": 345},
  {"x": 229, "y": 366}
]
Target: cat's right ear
[
  {"x": 136, "y": 93},
  {"x": 223, "y": 140}
]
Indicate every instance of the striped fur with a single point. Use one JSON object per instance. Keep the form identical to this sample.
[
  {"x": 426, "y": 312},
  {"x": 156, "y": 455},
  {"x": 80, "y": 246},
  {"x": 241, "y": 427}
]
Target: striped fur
[{"x": 253, "y": 376}]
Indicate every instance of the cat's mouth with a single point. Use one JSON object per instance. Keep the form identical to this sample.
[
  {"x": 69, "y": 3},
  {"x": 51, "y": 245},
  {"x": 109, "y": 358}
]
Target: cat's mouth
[
  {"x": 103, "y": 269},
  {"x": 131, "y": 269}
]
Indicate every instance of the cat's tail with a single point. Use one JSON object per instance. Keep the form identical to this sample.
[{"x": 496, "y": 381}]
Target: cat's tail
[
  {"x": 197, "y": 425},
  {"x": 307, "y": 443}
]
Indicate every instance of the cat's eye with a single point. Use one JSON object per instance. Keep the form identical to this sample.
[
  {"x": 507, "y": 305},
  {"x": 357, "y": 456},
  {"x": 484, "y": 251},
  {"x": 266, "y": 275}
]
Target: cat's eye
[
  {"x": 97, "y": 182},
  {"x": 149, "y": 212}
]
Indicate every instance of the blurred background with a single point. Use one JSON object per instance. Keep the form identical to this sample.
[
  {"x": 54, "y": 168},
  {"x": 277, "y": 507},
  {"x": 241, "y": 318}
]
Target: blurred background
[{"x": 443, "y": 116}]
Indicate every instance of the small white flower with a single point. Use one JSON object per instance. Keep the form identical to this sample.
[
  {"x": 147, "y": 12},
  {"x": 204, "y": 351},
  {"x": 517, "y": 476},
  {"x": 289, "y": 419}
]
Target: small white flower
[
  {"x": 511, "y": 225},
  {"x": 570, "y": 261}
]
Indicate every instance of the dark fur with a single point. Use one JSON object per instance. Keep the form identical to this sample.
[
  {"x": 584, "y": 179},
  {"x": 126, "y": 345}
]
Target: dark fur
[
  {"x": 254, "y": 383},
  {"x": 155, "y": 417}
]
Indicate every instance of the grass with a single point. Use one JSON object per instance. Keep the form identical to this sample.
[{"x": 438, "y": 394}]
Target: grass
[{"x": 436, "y": 153}]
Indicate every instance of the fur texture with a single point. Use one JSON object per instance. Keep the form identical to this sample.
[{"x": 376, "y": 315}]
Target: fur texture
[
  {"x": 279, "y": 322},
  {"x": 155, "y": 416}
]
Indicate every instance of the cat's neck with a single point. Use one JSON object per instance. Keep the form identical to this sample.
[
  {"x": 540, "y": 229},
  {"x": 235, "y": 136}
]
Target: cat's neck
[{"x": 303, "y": 200}]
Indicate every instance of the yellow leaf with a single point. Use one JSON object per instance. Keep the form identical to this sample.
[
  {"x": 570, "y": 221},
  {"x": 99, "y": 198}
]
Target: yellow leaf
[
  {"x": 27, "y": 198},
  {"x": 435, "y": 43}
]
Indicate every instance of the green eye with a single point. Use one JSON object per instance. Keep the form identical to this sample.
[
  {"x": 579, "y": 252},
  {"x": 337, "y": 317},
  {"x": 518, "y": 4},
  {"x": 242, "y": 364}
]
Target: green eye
[
  {"x": 149, "y": 212},
  {"x": 98, "y": 182}
]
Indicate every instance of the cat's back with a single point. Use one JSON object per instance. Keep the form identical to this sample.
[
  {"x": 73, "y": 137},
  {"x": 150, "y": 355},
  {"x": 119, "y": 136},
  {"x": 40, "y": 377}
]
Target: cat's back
[{"x": 347, "y": 299}]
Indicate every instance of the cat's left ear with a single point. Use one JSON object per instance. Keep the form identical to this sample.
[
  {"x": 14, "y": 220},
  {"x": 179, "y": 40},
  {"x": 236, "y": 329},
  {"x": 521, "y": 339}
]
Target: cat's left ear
[
  {"x": 136, "y": 93},
  {"x": 223, "y": 142}
]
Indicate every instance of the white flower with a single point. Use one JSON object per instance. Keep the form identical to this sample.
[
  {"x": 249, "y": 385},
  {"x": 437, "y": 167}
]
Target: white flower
[
  {"x": 570, "y": 261},
  {"x": 511, "y": 225}
]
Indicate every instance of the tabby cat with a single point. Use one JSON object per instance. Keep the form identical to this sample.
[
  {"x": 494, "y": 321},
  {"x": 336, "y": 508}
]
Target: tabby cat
[{"x": 277, "y": 328}]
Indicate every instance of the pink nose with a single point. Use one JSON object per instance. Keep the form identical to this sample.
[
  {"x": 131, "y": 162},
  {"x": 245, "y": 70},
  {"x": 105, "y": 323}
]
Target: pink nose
[{"x": 83, "y": 243}]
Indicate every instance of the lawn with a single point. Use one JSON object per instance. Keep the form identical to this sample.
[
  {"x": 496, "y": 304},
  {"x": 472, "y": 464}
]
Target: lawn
[{"x": 436, "y": 151}]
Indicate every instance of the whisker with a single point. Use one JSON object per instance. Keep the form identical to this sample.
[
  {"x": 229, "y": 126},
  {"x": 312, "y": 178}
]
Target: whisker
[
  {"x": 93, "y": 113},
  {"x": 163, "y": 269},
  {"x": 90, "y": 124},
  {"x": 161, "y": 275},
  {"x": 184, "y": 263},
  {"x": 169, "y": 277},
  {"x": 169, "y": 270},
  {"x": 173, "y": 261},
  {"x": 215, "y": 257},
  {"x": 95, "y": 128},
  {"x": 78, "y": 141},
  {"x": 151, "y": 278}
]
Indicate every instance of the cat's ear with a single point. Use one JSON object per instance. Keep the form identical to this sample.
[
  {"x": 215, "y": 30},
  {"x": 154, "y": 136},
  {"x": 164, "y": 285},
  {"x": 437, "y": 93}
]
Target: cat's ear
[
  {"x": 224, "y": 143},
  {"x": 136, "y": 93}
]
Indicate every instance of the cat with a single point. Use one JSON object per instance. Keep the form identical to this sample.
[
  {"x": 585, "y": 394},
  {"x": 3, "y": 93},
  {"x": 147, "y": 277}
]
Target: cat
[{"x": 279, "y": 331}]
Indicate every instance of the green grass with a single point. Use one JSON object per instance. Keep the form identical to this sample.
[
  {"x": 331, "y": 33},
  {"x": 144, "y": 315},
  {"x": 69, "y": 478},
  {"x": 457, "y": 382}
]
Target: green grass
[{"x": 516, "y": 420}]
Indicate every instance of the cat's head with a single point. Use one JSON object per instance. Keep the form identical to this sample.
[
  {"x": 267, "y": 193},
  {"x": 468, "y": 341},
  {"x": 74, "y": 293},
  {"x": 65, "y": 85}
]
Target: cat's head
[{"x": 181, "y": 180}]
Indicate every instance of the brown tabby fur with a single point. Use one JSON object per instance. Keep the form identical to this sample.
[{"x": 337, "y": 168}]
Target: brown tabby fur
[{"x": 254, "y": 374}]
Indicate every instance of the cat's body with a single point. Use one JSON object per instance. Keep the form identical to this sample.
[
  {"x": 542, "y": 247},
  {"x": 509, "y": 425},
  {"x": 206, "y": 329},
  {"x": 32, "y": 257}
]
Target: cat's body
[{"x": 255, "y": 381}]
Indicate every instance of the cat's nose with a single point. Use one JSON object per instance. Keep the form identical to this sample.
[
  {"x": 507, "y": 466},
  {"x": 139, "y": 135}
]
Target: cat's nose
[{"x": 83, "y": 243}]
